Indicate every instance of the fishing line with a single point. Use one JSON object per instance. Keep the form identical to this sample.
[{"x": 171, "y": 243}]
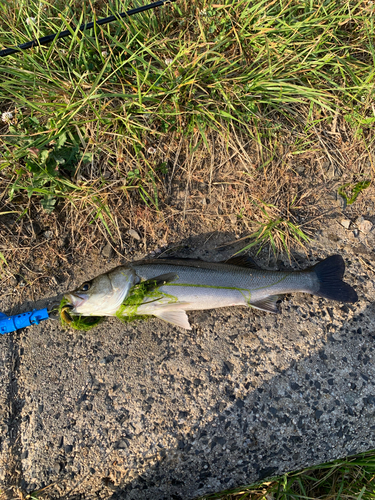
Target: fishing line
[{"x": 45, "y": 40}]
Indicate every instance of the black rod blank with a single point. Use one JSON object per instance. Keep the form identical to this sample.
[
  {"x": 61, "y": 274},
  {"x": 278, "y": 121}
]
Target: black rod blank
[{"x": 45, "y": 40}]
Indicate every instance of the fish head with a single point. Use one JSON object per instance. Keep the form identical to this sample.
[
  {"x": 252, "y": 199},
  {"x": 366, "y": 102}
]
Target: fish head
[{"x": 103, "y": 295}]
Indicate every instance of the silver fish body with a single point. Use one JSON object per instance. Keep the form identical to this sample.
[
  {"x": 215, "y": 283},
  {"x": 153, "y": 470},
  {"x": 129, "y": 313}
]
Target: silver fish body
[
  {"x": 205, "y": 285},
  {"x": 198, "y": 285}
]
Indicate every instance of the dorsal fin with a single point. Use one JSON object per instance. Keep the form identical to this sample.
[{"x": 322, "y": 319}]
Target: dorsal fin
[{"x": 242, "y": 261}]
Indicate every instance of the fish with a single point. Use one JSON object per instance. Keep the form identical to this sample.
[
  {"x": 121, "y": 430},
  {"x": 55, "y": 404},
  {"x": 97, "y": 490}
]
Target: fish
[{"x": 168, "y": 288}]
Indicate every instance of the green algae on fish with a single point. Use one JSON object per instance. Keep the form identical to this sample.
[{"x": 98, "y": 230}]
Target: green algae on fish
[
  {"x": 145, "y": 291},
  {"x": 83, "y": 323}
]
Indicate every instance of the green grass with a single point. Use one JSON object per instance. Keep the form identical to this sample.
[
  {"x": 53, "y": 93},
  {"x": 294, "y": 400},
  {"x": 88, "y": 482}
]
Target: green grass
[
  {"x": 275, "y": 231},
  {"x": 352, "y": 478},
  {"x": 87, "y": 110}
]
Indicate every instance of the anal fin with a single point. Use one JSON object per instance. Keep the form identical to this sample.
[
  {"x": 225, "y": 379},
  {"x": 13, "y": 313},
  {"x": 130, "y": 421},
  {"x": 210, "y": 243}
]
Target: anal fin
[
  {"x": 267, "y": 304},
  {"x": 177, "y": 317}
]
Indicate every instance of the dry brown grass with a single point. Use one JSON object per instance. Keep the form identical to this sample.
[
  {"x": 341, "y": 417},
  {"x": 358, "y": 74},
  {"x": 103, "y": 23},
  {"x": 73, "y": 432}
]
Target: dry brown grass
[{"x": 216, "y": 188}]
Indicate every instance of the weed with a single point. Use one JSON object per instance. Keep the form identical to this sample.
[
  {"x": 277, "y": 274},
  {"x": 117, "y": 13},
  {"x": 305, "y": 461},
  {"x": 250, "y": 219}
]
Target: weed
[
  {"x": 354, "y": 190},
  {"x": 351, "y": 478},
  {"x": 128, "y": 309},
  {"x": 278, "y": 232},
  {"x": 2, "y": 260}
]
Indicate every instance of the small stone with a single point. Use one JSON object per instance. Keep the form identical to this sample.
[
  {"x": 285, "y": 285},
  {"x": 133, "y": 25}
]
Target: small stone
[
  {"x": 227, "y": 367},
  {"x": 122, "y": 445},
  {"x": 48, "y": 235},
  {"x": 134, "y": 234},
  {"x": 363, "y": 225},
  {"x": 345, "y": 223},
  {"x": 233, "y": 219},
  {"x": 300, "y": 169},
  {"x": 107, "y": 251},
  {"x": 103, "y": 361}
]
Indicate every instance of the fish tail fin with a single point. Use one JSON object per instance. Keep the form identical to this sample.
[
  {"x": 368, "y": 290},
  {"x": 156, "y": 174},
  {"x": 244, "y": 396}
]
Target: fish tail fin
[{"x": 330, "y": 273}]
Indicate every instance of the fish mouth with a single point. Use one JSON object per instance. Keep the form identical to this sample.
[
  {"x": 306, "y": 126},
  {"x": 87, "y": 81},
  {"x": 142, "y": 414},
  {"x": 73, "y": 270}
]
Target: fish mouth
[{"x": 75, "y": 300}]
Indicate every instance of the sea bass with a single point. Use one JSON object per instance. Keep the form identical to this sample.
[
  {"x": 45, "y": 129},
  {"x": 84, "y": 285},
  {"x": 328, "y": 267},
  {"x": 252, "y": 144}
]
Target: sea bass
[{"x": 167, "y": 288}]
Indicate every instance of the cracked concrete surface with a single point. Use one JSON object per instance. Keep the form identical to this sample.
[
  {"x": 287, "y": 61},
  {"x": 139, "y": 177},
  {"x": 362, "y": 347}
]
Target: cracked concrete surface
[{"x": 148, "y": 410}]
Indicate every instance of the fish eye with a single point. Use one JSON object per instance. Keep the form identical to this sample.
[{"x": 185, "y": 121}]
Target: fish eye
[{"x": 85, "y": 287}]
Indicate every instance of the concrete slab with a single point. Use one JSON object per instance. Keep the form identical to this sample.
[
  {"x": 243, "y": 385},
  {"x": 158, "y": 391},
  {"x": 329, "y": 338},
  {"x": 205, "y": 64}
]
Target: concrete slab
[
  {"x": 6, "y": 411},
  {"x": 147, "y": 410}
]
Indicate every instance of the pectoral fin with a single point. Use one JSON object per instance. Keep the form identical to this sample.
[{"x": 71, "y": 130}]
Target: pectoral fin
[
  {"x": 176, "y": 317},
  {"x": 267, "y": 304},
  {"x": 153, "y": 283}
]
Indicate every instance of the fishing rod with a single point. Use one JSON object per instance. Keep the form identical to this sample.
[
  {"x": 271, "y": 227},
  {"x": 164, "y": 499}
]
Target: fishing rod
[{"x": 45, "y": 40}]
